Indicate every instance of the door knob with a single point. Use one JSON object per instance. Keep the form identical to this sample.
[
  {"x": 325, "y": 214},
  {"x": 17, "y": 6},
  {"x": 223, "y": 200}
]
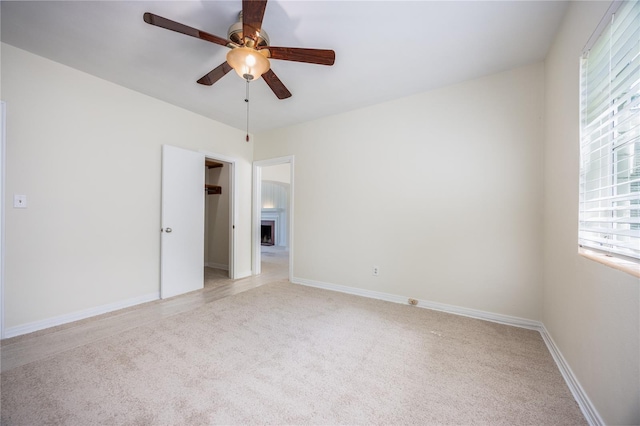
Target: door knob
[{"x": 168, "y": 230}]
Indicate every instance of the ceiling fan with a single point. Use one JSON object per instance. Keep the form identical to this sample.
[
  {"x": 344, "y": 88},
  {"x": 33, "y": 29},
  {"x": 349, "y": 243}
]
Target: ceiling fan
[{"x": 250, "y": 50}]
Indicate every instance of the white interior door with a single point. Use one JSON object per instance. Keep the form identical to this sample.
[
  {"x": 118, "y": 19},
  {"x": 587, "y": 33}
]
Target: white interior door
[{"x": 182, "y": 246}]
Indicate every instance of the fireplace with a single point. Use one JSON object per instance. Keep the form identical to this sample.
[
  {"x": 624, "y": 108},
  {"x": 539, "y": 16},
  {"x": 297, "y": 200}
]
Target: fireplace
[{"x": 267, "y": 232}]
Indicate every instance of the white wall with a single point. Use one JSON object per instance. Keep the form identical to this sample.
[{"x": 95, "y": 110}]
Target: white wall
[
  {"x": 87, "y": 154},
  {"x": 441, "y": 190},
  {"x": 590, "y": 310}
]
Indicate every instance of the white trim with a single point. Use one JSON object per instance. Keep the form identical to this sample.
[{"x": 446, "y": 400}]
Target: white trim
[
  {"x": 256, "y": 220},
  {"x": 586, "y": 406},
  {"x": 257, "y": 210},
  {"x": 3, "y": 134},
  {"x": 274, "y": 161},
  {"x": 222, "y": 266},
  {"x": 79, "y": 315},
  {"x": 278, "y": 216},
  {"x": 426, "y": 304},
  {"x": 292, "y": 164},
  {"x": 350, "y": 290},
  {"x": 483, "y": 315},
  {"x": 606, "y": 20}
]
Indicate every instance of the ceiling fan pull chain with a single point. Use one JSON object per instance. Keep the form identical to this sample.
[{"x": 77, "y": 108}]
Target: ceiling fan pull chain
[{"x": 246, "y": 99}]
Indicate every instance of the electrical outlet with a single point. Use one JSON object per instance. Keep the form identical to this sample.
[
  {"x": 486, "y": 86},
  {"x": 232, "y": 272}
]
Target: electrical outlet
[{"x": 376, "y": 271}]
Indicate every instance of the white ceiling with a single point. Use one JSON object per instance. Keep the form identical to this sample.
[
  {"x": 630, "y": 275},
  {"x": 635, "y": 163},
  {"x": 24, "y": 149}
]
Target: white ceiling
[{"x": 384, "y": 49}]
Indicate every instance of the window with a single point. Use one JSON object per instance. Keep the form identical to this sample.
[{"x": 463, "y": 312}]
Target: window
[{"x": 609, "y": 211}]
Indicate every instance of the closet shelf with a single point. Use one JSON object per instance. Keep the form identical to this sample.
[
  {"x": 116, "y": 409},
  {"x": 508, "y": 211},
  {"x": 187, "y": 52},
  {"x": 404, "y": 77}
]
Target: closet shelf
[
  {"x": 212, "y": 164},
  {"x": 212, "y": 189}
]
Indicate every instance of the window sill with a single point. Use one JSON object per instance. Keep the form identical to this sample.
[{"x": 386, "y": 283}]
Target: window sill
[{"x": 628, "y": 266}]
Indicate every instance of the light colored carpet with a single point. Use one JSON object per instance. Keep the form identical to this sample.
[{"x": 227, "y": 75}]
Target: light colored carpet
[{"x": 288, "y": 354}]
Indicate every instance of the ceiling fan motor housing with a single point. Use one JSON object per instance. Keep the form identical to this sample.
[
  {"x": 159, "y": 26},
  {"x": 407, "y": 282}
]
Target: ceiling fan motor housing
[
  {"x": 235, "y": 34},
  {"x": 248, "y": 54}
]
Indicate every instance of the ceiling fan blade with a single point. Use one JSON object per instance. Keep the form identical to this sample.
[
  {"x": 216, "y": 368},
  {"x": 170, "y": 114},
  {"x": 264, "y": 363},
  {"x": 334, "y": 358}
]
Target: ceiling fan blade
[
  {"x": 252, "y": 14},
  {"x": 310, "y": 56},
  {"x": 276, "y": 85},
  {"x": 161, "y": 22},
  {"x": 216, "y": 74}
]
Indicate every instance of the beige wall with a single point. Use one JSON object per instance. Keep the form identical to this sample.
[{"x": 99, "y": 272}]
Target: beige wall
[
  {"x": 277, "y": 173},
  {"x": 590, "y": 310},
  {"x": 441, "y": 190},
  {"x": 87, "y": 154}
]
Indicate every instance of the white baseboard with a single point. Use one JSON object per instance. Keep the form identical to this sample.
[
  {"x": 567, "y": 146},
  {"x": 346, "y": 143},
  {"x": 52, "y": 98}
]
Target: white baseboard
[
  {"x": 79, "y": 315},
  {"x": 222, "y": 266},
  {"x": 350, "y": 290},
  {"x": 588, "y": 409},
  {"x": 483, "y": 315},
  {"x": 457, "y": 310}
]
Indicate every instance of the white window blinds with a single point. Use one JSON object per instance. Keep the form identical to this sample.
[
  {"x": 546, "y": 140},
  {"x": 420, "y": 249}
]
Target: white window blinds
[{"x": 610, "y": 137}]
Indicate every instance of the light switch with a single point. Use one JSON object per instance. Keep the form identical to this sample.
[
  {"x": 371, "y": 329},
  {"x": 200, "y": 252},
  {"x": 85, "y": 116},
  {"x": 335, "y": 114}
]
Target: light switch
[{"x": 19, "y": 201}]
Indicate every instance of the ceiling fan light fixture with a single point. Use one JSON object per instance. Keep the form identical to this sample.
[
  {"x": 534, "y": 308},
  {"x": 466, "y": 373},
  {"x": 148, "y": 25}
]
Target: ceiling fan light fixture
[{"x": 248, "y": 63}]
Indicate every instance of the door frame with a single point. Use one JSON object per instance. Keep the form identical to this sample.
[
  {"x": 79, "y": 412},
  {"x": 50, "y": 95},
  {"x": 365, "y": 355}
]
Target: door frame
[
  {"x": 233, "y": 208},
  {"x": 257, "y": 209},
  {"x": 3, "y": 127}
]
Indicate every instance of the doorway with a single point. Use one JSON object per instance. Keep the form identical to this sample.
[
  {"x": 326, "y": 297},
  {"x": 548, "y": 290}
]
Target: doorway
[
  {"x": 218, "y": 227},
  {"x": 273, "y": 194},
  {"x": 184, "y": 192}
]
